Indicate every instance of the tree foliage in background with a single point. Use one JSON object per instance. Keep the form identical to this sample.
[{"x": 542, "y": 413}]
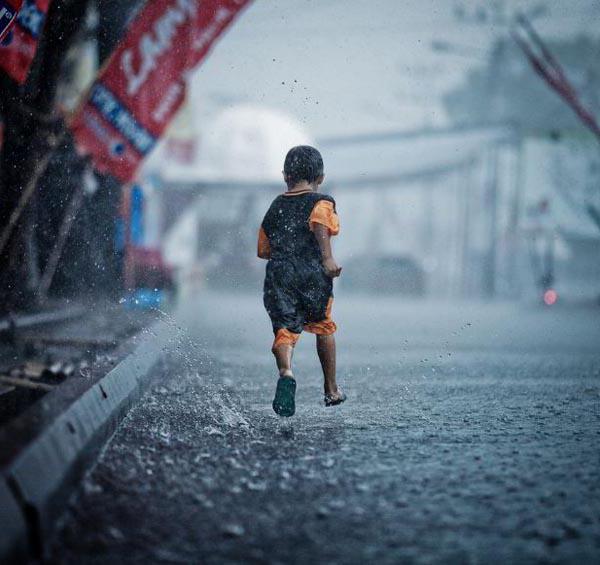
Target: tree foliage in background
[{"x": 506, "y": 89}]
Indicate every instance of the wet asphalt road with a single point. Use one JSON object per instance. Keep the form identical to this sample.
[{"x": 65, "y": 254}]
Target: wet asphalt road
[{"x": 471, "y": 435}]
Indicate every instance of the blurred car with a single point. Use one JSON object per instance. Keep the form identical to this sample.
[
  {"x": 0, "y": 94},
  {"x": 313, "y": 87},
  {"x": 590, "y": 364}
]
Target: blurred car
[
  {"x": 147, "y": 269},
  {"x": 388, "y": 274}
]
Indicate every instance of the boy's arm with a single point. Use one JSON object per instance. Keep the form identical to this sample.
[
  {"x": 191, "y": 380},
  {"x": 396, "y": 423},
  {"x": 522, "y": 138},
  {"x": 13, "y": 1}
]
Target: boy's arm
[
  {"x": 332, "y": 269},
  {"x": 324, "y": 223},
  {"x": 263, "y": 247}
]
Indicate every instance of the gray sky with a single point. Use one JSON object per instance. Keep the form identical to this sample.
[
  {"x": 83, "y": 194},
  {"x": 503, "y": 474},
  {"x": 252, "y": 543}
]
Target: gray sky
[{"x": 344, "y": 66}]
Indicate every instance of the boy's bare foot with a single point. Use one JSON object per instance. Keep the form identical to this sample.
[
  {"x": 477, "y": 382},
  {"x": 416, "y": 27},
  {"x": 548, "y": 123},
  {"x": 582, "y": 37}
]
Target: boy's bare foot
[{"x": 335, "y": 398}]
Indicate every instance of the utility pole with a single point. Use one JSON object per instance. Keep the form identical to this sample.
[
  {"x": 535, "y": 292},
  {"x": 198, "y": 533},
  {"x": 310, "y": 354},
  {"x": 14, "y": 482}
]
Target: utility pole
[
  {"x": 515, "y": 213},
  {"x": 465, "y": 261},
  {"x": 489, "y": 274}
]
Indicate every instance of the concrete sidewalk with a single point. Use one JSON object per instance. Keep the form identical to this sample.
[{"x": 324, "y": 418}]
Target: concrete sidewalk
[{"x": 46, "y": 448}]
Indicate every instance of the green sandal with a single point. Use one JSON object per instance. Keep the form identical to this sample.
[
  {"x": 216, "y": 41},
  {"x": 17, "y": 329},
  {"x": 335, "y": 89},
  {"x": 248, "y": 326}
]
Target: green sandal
[{"x": 284, "y": 402}]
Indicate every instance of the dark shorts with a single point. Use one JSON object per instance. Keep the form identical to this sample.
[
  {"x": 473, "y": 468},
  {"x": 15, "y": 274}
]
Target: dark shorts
[{"x": 297, "y": 294}]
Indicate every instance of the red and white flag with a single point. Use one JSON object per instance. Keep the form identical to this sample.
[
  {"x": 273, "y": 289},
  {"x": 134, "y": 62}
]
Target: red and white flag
[
  {"x": 8, "y": 15},
  {"x": 139, "y": 91},
  {"x": 19, "y": 45}
]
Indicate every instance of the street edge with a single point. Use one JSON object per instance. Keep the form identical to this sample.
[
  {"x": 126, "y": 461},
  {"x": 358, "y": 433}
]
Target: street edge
[{"x": 31, "y": 502}]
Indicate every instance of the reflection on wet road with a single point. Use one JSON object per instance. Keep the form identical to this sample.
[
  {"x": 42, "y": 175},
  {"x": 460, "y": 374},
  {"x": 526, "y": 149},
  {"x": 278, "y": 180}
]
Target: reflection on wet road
[{"x": 471, "y": 434}]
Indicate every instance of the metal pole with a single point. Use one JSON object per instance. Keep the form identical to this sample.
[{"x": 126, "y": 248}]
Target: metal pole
[
  {"x": 466, "y": 233},
  {"x": 26, "y": 195},
  {"x": 63, "y": 234},
  {"x": 490, "y": 272},
  {"x": 515, "y": 216}
]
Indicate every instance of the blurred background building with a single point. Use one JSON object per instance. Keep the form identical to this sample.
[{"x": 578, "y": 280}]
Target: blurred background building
[{"x": 457, "y": 171}]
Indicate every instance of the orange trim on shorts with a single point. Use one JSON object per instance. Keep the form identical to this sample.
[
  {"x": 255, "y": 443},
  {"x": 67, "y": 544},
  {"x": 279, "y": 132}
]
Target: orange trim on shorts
[
  {"x": 285, "y": 337},
  {"x": 324, "y": 327}
]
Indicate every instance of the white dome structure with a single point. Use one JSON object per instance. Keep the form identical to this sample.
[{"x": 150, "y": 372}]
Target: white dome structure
[
  {"x": 248, "y": 143},
  {"x": 245, "y": 143}
]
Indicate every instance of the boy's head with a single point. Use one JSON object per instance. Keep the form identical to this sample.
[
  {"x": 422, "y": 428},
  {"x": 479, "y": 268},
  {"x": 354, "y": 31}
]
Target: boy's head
[{"x": 303, "y": 163}]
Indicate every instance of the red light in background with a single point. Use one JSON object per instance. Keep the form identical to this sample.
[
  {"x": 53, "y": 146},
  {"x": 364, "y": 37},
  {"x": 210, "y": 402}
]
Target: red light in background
[{"x": 550, "y": 297}]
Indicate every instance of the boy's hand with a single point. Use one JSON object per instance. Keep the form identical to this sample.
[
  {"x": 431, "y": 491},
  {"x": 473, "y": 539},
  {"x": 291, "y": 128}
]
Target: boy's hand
[{"x": 332, "y": 269}]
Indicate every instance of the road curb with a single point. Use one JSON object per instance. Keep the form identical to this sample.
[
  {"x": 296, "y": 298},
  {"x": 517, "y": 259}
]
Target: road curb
[
  {"x": 13, "y": 534},
  {"x": 36, "y": 483}
]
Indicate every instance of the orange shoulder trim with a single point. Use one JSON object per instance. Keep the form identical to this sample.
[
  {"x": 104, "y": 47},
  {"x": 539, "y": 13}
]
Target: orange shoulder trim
[
  {"x": 263, "y": 247},
  {"x": 323, "y": 213}
]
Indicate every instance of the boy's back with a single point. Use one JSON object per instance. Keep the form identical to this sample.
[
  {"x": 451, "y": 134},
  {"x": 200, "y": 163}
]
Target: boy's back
[
  {"x": 296, "y": 291},
  {"x": 287, "y": 225}
]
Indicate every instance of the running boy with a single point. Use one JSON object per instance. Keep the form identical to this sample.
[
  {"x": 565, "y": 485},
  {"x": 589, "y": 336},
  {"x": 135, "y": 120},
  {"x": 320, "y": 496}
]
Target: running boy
[{"x": 295, "y": 238}]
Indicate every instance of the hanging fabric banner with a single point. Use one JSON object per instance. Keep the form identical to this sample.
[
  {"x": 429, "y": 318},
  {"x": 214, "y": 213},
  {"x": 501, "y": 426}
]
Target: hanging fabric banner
[
  {"x": 19, "y": 45},
  {"x": 140, "y": 89},
  {"x": 8, "y": 15}
]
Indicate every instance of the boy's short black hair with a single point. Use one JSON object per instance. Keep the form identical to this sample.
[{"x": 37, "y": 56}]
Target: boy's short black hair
[{"x": 302, "y": 162}]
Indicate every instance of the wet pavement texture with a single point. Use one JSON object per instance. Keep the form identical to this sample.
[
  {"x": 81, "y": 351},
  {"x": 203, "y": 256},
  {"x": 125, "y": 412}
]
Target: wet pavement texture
[{"x": 470, "y": 435}]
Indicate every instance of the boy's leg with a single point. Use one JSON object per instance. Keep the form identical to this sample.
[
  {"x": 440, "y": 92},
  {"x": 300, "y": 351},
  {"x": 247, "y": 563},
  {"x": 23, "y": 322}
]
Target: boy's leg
[
  {"x": 327, "y": 357},
  {"x": 283, "y": 357},
  {"x": 283, "y": 350},
  {"x": 326, "y": 351},
  {"x": 324, "y": 331},
  {"x": 284, "y": 402}
]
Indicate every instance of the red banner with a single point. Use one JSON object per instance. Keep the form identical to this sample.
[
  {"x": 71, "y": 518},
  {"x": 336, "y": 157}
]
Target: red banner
[
  {"x": 139, "y": 91},
  {"x": 19, "y": 45},
  {"x": 8, "y": 15}
]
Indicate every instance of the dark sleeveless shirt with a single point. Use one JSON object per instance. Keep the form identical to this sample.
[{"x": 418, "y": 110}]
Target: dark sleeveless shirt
[{"x": 286, "y": 226}]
